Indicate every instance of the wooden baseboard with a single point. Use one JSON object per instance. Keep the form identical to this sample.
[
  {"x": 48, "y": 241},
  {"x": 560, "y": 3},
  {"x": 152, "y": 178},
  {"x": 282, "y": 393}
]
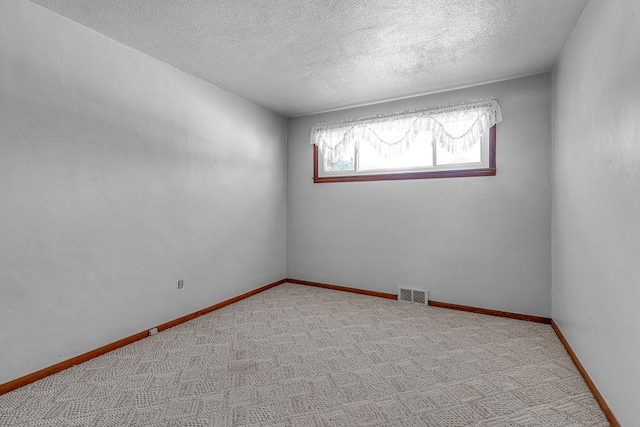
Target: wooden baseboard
[
  {"x": 450, "y": 306},
  {"x": 587, "y": 379},
  {"x": 538, "y": 319},
  {"x": 343, "y": 288},
  {"x": 65, "y": 364},
  {"x": 490, "y": 312},
  {"x": 35, "y": 376},
  {"x": 61, "y": 366},
  {"x": 218, "y": 306}
]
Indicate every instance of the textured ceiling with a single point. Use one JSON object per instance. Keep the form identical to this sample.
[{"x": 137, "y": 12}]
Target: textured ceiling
[{"x": 302, "y": 56}]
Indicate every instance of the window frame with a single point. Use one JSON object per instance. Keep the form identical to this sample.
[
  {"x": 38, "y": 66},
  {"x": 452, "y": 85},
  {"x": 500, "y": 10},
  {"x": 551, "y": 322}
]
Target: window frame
[{"x": 395, "y": 176}]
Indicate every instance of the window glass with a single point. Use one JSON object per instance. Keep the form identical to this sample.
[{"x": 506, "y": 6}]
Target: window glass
[
  {"x": 472, "y": 155},
  {"x": 419, "y": 156}
]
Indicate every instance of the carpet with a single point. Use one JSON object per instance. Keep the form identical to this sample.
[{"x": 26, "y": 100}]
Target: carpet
[{"x": 303, "y": 356}]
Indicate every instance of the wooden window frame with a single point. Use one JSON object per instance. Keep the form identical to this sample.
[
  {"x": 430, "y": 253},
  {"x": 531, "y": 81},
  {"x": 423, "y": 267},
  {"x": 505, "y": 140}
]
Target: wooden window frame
[{"x": 489, "y": 171}]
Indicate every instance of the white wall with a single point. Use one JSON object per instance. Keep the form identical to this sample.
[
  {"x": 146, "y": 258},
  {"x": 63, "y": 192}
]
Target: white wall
[
  {"x": 481, "y": 241},
  {"x": 596, "y": 200},
  {"x": 120, "y": 175}
]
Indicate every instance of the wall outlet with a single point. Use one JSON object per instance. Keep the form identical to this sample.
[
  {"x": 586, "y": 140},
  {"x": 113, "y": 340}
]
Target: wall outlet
[
  {"x": 153, "y": 331},
  {"x": 180, "y": 284}
]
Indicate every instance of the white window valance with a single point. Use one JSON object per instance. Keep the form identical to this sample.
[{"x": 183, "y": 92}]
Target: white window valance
[{"x": 456, "y": 127}]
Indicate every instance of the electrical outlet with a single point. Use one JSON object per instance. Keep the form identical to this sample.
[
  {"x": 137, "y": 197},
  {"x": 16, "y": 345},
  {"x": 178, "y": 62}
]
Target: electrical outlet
[
  {"x": 180, "y": 284},
  {"x": 153, "y": 331}
]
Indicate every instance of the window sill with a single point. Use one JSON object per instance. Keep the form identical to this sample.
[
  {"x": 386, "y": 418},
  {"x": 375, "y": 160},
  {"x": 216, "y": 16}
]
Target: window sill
[{"x": 407, "y": 175}]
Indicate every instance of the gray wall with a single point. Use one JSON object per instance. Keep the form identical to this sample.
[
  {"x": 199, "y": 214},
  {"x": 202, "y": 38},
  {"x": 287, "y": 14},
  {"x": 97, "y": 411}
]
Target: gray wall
[
  {"x": 120, "y": 175},
  {"x": 481, "y": 241},
  {"x": 596, "y": 200}
]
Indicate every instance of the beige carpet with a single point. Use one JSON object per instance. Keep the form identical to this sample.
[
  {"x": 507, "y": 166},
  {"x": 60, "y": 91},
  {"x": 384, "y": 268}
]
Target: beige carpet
[{"x": 302, "y": 356}]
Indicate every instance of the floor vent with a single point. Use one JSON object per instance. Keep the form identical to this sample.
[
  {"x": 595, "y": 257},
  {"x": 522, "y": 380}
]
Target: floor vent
[{"x": 417, "y": 296}]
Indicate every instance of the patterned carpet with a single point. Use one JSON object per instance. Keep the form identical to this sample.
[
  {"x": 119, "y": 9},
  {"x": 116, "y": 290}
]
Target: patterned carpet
[{"x": 301, "y": 356}]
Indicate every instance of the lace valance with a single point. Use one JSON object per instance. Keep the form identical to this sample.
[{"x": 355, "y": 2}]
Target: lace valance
[{"x": 455, "y": 127}]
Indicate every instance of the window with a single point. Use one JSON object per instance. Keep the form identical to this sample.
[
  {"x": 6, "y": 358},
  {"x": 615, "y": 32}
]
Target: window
[{"x": 450, "y": 141}]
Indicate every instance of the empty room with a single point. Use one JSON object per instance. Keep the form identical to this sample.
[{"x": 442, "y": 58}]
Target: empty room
[{"x": 319, "y": 213}]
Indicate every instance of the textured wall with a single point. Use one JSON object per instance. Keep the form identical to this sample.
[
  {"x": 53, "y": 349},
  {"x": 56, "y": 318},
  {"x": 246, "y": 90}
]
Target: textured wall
[
  {"x": 481, "y": 241},
  {"x": 596, "y": 200},
  {"x": 120, "y": 175}
]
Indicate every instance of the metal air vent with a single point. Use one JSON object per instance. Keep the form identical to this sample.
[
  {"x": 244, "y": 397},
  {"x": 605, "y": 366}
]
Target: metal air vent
[{"x": 417, "y": 296}]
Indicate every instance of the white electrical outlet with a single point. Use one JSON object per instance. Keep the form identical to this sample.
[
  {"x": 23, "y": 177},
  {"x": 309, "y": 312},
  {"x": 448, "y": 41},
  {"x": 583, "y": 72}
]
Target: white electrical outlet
[{"x": 180, "y": 284}]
